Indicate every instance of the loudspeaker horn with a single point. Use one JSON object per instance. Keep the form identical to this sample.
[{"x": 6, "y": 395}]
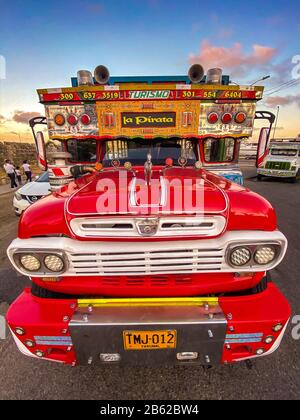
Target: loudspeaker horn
[
  {"x": 196, "y": 73},
  {"x": 101, "y": 75}
]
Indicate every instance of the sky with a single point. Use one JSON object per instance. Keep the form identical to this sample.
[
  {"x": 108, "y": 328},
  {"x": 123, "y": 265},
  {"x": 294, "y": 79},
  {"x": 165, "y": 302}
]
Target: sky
[{"x": 43, "y": 44}]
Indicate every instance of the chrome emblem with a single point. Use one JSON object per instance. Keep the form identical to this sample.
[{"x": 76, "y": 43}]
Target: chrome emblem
[{"x": 147, "y": 227}]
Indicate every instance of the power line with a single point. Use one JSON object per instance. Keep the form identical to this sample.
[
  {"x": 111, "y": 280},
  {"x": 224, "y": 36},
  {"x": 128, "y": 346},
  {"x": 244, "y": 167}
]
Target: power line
[
  {"x": 286, "y": 85},
  {"x": 282, "y": 84}
]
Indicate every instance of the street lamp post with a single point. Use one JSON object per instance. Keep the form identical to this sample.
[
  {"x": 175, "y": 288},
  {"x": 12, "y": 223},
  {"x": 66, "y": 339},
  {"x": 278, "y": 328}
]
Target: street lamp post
[{"x": 261, "y": 80}]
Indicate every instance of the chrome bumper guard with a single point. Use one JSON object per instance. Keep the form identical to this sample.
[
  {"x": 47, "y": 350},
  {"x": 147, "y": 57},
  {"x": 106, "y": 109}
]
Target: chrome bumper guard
[{"x": 97, "y": 333}]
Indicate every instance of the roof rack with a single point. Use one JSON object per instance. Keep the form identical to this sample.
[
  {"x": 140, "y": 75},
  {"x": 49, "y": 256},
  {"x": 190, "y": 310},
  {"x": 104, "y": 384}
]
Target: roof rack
[{"x": 151, "y": 79}]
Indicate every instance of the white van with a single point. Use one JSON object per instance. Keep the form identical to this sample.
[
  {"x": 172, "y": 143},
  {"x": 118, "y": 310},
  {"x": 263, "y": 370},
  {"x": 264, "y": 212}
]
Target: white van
[{"x": 281, "y": 160}]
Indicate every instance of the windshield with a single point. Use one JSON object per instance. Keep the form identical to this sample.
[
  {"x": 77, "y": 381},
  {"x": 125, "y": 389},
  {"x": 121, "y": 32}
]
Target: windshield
[
  {"x": 136, "y": 150},
  {"x": 44, "y": 177},
  {"x": 82, "y": 150},
  {"x": 284, "y": 152},
  {"x": 219, "y": 150}
]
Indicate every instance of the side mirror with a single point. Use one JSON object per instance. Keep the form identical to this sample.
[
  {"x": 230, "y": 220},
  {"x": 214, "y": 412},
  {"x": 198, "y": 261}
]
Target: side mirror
[
  {"x": 263, "y": 143},
  {"x": 41, "y": 150}
]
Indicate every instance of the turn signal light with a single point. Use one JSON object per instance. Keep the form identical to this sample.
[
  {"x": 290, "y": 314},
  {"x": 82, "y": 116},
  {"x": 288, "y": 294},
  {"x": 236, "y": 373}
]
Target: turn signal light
[
  {"x": 240, "y": 117},
  {"x": 226, "y": 118},
  {"x": 72, "y": 119},
  {"x": 213, "y": 118},
  {"x": 85, "y": 119},
  {"x": 59, "y": 119}
]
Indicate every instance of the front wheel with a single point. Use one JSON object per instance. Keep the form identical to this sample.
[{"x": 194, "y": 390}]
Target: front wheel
[{"x": 259, "y": 177}]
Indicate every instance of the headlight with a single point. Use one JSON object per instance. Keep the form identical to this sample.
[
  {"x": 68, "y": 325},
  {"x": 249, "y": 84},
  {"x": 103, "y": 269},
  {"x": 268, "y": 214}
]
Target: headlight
[
  {"x": 54, "y": 263},
  {"x": 18, "y": 196},
  {"x": 240, "y": 256},
  {"x": 30, "y": 262},
  {"x": 41, "y": 262},
  {"x": 264, "y": 255},
  {"x": 250, "y": 255}
]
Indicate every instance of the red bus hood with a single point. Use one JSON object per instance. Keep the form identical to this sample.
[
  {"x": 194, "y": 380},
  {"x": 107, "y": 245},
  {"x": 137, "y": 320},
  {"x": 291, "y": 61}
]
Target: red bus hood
[
  {"x": 171, "y": 191},
  {"x": 245, "y": 210}
]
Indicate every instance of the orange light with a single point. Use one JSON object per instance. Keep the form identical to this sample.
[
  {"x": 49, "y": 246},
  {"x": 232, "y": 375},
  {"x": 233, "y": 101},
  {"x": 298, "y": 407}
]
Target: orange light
[
  {"x": 128, "y": 166},
  {"x": 169, "y": 162},
  {"x": 50, "y": 279},
  {"x": 98, "y": 166},
  {"x": 59, "y": 119},
  {"x": 240, "y": 117}
]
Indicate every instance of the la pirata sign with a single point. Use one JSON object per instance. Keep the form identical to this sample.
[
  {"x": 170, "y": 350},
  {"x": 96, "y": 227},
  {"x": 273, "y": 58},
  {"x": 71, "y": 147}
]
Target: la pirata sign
[{"x": 148, "y": 119}]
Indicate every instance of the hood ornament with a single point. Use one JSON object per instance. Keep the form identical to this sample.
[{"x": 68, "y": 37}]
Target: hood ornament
[{"x": 148, "y": 168}]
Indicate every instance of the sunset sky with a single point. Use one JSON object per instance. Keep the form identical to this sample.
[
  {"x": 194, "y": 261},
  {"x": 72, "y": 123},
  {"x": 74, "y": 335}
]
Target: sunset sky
[{"x": 44, "y": 43}]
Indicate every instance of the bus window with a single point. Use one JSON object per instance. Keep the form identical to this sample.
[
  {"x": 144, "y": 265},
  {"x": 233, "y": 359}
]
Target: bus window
[
  {"x": 219, "y": 150},
  {"x": 82, "y": 150},
  {"x": 136, "y": 150}
]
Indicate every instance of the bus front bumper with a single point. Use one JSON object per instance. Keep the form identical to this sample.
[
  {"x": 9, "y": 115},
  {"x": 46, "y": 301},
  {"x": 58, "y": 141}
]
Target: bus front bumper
[{"x": 203, "y": 331}]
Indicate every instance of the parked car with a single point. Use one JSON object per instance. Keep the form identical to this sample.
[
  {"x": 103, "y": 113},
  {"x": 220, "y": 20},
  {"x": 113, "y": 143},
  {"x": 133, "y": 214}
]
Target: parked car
[{"x": 31, "y": 192}]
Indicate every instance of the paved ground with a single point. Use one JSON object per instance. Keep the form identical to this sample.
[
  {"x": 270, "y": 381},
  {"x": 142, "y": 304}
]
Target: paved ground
[{"x": 274, "y": 377}]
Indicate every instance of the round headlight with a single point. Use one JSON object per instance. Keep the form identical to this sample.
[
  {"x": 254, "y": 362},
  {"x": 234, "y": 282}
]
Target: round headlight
[
  {"x": 54, "y": 263},
  {"x": 264, "y": 255},
  {"x": 240, "y": 256},
  {"x": 30, "y": 262}
]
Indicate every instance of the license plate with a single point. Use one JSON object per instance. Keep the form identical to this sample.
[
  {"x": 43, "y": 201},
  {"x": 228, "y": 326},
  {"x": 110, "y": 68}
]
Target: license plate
[{"x": 149, "y": 340}]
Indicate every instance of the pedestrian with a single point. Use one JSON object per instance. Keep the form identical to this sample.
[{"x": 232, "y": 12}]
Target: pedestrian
[
  {"x": 10, "y": 171},
  {"x": 27, "y": 171},
  {"x": 18, "y": 175}
]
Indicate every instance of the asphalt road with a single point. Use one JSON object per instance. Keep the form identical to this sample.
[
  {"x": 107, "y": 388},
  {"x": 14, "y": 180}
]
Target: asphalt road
[{"x": 274, "y": 377}]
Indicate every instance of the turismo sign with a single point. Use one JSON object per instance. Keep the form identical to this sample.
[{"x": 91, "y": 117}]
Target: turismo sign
[
  {"x": 149, "y": 94},
  {"x": 148, "y": 119}
]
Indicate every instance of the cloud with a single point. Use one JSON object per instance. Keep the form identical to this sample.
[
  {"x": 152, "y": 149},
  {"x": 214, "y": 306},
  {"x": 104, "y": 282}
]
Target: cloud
[
  {"x": 233, "y": 59},
  {"x": 282, "y": 100},
  {"x": 23, "y": 117}
]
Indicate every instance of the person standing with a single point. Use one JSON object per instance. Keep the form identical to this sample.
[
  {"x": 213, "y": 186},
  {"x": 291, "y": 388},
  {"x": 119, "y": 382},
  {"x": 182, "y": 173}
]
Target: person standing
[
  {"x": 18, "y": 175},
  {"x": 10, "y": 171},
  {"x": 27, "y": 171}
]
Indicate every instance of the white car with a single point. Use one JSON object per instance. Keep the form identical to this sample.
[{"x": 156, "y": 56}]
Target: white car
[{"x": 30, "y": 193}]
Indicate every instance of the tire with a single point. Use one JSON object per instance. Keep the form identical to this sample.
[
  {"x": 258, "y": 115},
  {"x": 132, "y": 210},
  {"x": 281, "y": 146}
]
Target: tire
[
  {"x": 42, "y": 293},
  {"x": 259, "y": 177},
  {"x": 261, "y": 287},
  {"x": 292, "y": 180}
]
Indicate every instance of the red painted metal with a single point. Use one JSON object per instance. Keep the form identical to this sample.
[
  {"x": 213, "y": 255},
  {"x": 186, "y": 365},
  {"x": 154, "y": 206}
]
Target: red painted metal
[
  {"x": 254, "y": 314},
  {"x": 48, "y": 318},
  {"x": 49, "y": 216},
  {"x": 166, "y": 285},
  {"x": 125, "y": 95}
]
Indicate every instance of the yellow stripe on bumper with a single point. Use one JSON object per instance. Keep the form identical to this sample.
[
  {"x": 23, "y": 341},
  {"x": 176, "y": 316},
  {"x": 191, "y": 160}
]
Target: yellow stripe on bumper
[{"x": 185, "y": 301}]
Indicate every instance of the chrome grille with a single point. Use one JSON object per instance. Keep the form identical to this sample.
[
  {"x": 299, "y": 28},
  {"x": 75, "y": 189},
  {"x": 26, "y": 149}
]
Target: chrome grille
[
  {"x": 98, "y": 227},
  {"x": 193, "y": 260},
  {"x": 284, "y": 166}
]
